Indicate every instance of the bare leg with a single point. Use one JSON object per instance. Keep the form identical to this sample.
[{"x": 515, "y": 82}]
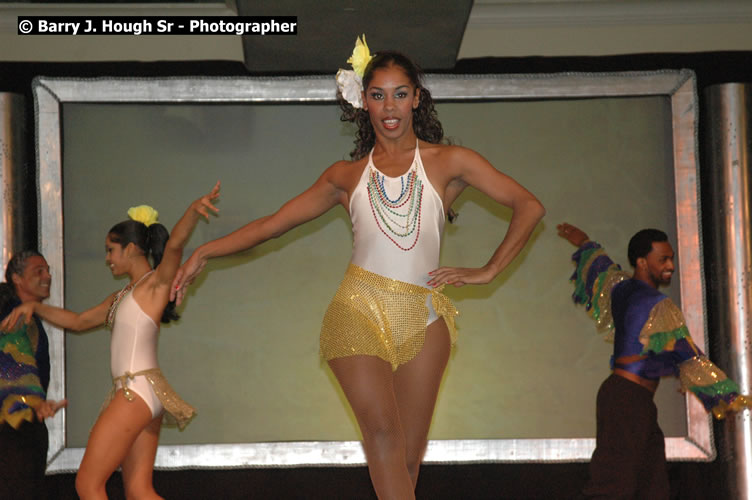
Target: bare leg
[
  {"x": 138, "y": 466},
  {"x": 416, "y": 386},
  {"x": 367, "y": 382},
  {"x": 110, "y": 441}
]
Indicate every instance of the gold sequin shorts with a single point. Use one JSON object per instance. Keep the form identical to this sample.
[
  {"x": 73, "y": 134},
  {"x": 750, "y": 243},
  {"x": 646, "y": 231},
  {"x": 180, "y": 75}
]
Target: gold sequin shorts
[
  {"x": 378, "y": 316},
  {"x": 176, "y": 411}
]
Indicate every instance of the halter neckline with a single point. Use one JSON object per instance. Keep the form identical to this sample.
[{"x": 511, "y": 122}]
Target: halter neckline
[
  {"x": 411, "y": 167},
  {"x": 112, "y": 311}
]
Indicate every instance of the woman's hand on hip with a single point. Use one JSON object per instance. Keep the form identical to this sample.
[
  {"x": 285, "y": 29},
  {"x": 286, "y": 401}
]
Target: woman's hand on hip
[{"x": 459, "y": 276}]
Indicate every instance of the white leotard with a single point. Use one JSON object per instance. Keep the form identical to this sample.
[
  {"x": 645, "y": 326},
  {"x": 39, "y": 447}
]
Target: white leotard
[
  {"x": 133, "y": 348},
  {"x": 379, "y": 250},
  {"x": 374, "y": 251}
]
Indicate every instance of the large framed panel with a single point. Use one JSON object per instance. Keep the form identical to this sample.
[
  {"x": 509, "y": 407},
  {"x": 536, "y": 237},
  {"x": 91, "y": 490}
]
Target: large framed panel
[{"x": 654, "y": 111}]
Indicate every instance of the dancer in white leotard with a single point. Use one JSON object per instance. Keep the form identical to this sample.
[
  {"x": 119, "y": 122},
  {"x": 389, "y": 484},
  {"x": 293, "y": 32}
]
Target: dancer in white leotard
[
  {"x": 387, "y": 256},
  {"x": 377, "y": 337},
  {"x": 126, "y": 433},
  {"x": 133, "y": 361},
  {"x": 133, "y": 351},
  {"x": 392, "y": 325}
]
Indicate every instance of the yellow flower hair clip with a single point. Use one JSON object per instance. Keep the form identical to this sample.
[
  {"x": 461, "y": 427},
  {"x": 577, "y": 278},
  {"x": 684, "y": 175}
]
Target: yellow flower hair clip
[
  {"x": 350, "y": 82},
  {"x": 360, "y": 56},
  {"x": 144, "y": 214}
]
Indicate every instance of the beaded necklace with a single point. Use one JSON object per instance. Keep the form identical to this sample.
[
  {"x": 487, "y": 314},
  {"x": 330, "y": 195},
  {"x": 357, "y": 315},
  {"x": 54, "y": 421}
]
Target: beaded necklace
[
  {"x": 112, "y": 311},
  {"x": 398, "y": 218}
]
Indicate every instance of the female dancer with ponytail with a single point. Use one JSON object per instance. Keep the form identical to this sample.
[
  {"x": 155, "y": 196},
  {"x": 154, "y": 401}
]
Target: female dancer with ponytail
[
  {"x": 387, "y": 334},
  {"x": 127, "y": 431}
]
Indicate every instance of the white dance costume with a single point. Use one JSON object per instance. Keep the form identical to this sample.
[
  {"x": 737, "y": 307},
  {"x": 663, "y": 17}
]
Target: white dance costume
[
  {"x": 375, "y": 247},
  {"x": 133, "y": 360},
  {"x": 384, "y": 304}
]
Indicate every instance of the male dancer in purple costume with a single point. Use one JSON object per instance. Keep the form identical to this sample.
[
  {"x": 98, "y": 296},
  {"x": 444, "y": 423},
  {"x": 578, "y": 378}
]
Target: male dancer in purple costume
[{"x": 650, "y": 341}]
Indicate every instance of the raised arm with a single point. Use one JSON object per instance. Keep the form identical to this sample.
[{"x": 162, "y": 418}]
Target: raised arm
[
  {"x": 180, "y": 233},
  {"x": 470, "y": 168},
  {"x": 594, "y": 276},
  {"x": 572, "y": 234},
  {"x": 316, "y": 200},
  {"x": 77, "y": 322}
]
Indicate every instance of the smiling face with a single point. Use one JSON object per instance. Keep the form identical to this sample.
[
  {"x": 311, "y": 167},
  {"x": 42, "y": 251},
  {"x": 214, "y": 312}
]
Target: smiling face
[
  {"x": 115, "y": 257},
  {"x": 658, "y": 264},
  {"x": 390, "y": 99},
  {"x": 34, "y": 282}
]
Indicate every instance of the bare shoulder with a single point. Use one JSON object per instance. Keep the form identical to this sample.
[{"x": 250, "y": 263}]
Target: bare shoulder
[
  {"x": 343, "y": 166},
  {"x": 344, "y": 173},
  {"x": 451, "y": 158},
  {"x": 463, "y": 154}
]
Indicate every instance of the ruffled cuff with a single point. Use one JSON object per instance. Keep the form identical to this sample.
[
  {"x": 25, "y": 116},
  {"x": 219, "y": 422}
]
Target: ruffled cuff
[
  {"x": 718, "y": 393},
  {"x": 594, "y": 278},
  {"x": 583, "y": 258}
]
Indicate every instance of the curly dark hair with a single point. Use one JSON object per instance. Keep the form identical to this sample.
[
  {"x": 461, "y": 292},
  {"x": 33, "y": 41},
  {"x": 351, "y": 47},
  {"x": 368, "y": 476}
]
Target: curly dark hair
[{"x": 426, "y": 122}]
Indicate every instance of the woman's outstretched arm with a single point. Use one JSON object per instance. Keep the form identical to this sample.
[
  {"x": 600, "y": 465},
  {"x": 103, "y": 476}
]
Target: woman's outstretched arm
[
  {"x": 316, "y": 200},
  {"x": 63, "y": 318}
]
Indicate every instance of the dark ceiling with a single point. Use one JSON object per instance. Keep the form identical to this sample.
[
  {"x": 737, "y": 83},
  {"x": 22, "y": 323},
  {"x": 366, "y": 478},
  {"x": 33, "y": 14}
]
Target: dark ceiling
[{"x": 429, "y": 31}]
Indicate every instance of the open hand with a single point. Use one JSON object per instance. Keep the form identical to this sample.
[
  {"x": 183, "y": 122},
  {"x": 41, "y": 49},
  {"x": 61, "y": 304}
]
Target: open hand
[
  {"x": 25, "y": 311},
  {"x": 187, "y": 273},
  {"x": 205, "y": 203},
  {"x": 572, "y": 234}
]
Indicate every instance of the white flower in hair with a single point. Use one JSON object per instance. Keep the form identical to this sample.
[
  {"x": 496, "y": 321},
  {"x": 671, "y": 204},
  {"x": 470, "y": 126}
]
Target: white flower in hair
[
  {"x": 350, "y": 82},
  {"x": 350, "y": 86}
]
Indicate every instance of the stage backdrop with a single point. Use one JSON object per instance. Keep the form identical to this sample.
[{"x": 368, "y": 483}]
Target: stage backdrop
[{"x": 528, "y": 362}]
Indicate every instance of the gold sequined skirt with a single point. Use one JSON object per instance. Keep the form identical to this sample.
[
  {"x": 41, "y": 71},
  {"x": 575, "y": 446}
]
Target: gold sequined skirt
[
  {"x": 177, "y": 413},
  {"x": 378, "y": 316}
]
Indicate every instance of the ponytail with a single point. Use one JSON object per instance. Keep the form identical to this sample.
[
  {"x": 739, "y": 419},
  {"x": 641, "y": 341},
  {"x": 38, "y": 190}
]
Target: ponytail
[
  {"x": 151, "y": 240},
  {"x": 156, "y": 239}
]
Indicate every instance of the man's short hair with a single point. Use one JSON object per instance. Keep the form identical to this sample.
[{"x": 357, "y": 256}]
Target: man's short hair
[
  {"x": 642, "y": 243},
  {"x": 17, "y": 264}
]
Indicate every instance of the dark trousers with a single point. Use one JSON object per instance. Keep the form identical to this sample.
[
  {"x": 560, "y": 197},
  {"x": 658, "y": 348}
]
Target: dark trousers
[
  {"x": 629, "y": 461},
  {"x": 23, "y": 459}
]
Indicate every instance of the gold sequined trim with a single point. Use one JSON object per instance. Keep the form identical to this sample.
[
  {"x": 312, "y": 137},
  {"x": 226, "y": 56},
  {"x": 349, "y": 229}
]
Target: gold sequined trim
[
  {"x": 594, "y": 255},
  {"x": 374, "y": 315},
  {"x": 699, "y": 371},
  {"x": 664, "y": 317},
  {"x": 177, "y": 411},
  {"x": 740, "y": 402},
  {"x": 604, "y": 323}
]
